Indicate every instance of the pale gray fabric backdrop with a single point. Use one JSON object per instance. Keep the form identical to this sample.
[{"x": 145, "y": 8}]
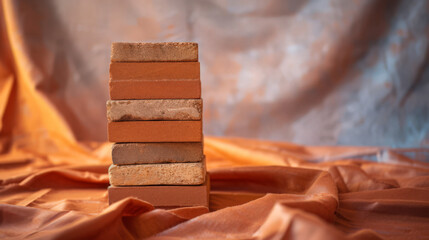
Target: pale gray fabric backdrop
[{"x": 312, "y": 72}]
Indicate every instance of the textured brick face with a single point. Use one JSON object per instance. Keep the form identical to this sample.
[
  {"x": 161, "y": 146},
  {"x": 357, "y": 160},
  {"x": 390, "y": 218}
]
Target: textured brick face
[
  {"x": 154, "y": 52},
  {"x": 158, "y": 174},
  {"x": 156, "y": 109}
]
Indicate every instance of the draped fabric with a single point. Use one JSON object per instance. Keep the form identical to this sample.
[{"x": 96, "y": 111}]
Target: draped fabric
[
  {"x": 320, "y": 72},
  {"x": 53, "y": 87},
  {"x": 259, "y": 190}
]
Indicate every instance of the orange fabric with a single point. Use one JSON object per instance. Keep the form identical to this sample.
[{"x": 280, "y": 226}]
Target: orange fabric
[
  {"x": 259, "y": 190},
  {"x": 54, "y": 187}
]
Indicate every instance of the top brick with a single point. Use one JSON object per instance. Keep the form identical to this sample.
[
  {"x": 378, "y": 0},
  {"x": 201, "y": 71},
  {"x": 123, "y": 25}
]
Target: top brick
[{"x": 154, "y": 52}]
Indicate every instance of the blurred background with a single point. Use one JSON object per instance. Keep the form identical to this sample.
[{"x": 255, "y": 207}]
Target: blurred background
[{"x": 328, "y": 72}]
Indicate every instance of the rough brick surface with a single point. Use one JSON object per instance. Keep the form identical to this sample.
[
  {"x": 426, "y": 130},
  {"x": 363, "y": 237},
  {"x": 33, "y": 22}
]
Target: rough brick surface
[
  {"x": 158, "y": 174},
  {"x": 154, "y": 52},
  {"x": 156, "y": 109}
]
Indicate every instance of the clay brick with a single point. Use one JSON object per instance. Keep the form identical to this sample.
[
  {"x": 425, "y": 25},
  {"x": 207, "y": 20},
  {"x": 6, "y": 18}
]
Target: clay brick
[
  {"x": 155, "y": 89},
  {"x": 155, "y": 131},
  {"x": 154, "y": 52},
  {"x": 142, "y": 153},
  {"x": 156, "y": 109},
  {"x": 164, "y": 196},
  {"x": 154, "y": 71},
  {"x": 158, "y": 174}
]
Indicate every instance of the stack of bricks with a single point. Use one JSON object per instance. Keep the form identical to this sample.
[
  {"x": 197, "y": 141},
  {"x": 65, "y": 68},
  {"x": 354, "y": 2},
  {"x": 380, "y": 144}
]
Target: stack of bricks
[{"x": 155, "y": 119}]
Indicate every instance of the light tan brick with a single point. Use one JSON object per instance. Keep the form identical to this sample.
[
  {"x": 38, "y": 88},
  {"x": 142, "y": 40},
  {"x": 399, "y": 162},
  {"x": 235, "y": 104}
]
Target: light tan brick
[
  {"x": 155, "y": 109},
  {"x": 158, "y": 174},
  {"x": 154, "y": 52}
]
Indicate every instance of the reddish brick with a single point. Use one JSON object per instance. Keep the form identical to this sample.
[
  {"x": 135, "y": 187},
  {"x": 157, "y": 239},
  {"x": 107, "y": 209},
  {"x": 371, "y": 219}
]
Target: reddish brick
[
  {"x": 164, "y": 196},
  {"x": 154, "y": 70},
  {"x": 155, "y": 131},
  {"x": 155, "y": 89}
]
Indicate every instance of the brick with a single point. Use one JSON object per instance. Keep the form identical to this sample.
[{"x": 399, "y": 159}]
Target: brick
[
  {"x": 155, "y": 89},
  {"x": 155, "y": 109},
  {"x": 143, "y": 153},
  {"x": 154, "y": 71},
  {"x": 164, "y": 196},
  {"x": 158, "y": 174},
  {"x": 154, "y": 52},
  {"x": 155, "y": 131}
]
